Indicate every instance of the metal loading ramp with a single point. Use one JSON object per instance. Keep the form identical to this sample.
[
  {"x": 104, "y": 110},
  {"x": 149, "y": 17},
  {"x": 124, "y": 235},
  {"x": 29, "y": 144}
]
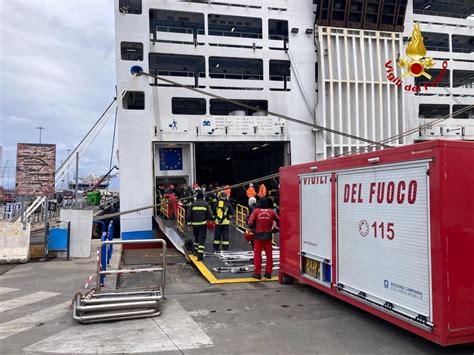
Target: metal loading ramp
[{"x": 217, "y": 268}]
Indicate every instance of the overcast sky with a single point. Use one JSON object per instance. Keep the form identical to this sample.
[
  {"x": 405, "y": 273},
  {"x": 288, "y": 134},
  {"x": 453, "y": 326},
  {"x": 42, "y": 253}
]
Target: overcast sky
[{"x": 57, "y": 70}]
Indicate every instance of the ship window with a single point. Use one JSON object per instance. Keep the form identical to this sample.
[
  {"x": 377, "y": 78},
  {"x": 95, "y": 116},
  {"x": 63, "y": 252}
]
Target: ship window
[
  {"x": 236, "y": 68},
  {"x": 131, "y": 50},
  {"x": 279, "y": 70},
  {"x": 436, "y": 41},
  {"x": 134, "y": 100},
  {"x": 228, "y": 26},
  {"x": 433, "y": 111},
  {"x": 188, "y": 106},
  {"x": 463, "y": 44},
  {"x": 177, "y": 65},
  {"x": 435, "y": 78},
  {"x": 130, "y": 6},
  {"x": 176, "y": 21},
  {"x": 467, "y": 114},
  {"x": 463, "y": 78},
  {"x": 458, "y": 9},
  {"x": 278, "y": 30},
  {"x": 225, "y": 108}
]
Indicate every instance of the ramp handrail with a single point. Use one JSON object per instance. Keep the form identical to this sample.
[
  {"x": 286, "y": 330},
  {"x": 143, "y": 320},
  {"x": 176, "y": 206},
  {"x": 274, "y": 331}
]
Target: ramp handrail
[
  {"x": 29, "y": 210},
  {"x": 137, "y": 270},
  {"x": 181, "y": 218},
  {"x": 241, "y": 215},
  {"x": 164, "y": 207}
]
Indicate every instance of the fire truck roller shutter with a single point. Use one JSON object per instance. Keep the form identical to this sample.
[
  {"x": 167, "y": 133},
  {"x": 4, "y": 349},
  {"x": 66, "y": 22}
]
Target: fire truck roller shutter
[{"x": 384, "y": 235}]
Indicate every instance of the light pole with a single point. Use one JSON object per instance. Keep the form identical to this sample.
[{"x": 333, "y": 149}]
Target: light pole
[
  {"x": 40, "y": 129},
  {"x": 68, "y": 161}
]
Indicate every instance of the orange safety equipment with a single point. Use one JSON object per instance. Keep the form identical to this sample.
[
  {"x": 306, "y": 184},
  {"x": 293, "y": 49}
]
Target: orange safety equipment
[
  {"x": 249, "y": 235},
  {"x": 262, "y": 191},
  {"x": 251, "y": 192},
  {"x": 211, "y": 224}
]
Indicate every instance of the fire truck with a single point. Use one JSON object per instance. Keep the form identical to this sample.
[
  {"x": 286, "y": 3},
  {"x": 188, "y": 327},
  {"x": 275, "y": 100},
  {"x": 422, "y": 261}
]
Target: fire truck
[{"x": 390, "y": 232}]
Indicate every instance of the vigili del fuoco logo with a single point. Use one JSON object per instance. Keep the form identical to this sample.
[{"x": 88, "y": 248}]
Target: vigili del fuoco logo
[{"x": 415, "y": 64}]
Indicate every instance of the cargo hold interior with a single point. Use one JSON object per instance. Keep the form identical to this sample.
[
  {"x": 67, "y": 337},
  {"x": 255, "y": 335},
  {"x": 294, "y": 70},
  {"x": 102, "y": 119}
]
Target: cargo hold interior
[{"x": 235, "y": 162}]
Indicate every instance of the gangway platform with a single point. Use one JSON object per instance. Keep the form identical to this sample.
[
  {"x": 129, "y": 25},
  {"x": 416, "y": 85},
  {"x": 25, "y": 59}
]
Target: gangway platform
[{"x": 215, "y": 270}]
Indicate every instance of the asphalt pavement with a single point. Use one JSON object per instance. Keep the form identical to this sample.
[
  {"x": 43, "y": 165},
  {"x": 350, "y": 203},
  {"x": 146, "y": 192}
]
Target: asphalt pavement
[{"x": 197, "y": 318}]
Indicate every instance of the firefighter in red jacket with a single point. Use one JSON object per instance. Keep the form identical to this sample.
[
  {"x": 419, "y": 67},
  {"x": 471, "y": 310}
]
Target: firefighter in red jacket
[{"x": 261, "y": 220}]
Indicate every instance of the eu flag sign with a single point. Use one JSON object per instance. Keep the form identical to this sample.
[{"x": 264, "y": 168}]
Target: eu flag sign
[{"x": 171, "y": 159}]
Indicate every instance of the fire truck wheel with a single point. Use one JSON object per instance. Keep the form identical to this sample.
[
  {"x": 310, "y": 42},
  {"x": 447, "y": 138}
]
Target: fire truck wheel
[{"x": 287, "y": 280}]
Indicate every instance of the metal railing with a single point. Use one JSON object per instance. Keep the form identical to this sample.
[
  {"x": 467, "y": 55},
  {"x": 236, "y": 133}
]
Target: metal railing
[
  {"x": 171, "y": 29},
  {"x": 174, "y": 29},
  {"x": 438, "y": 13},
  {"x": 431, "y": 47},
  {"x": 235, "y": 34},
  {"x": 164, "y": 207},
  {"x": 463, "y": 84},
  {"x": 39, "y": 210},
  {"x": 97, "y": 306},
  {"x": 278, "y": 38},
  {"x": 134, "y": 271},
  {"x": 181, "y": 218},
  {"x": 10, "y": 210},
  {"x": 280, "y": 77},
  {"x": 462, "y": 50},
  {"x": 241, "y": 215},
  {"x": 187, "y": 74},
  {"x": 236, "y": 76}
]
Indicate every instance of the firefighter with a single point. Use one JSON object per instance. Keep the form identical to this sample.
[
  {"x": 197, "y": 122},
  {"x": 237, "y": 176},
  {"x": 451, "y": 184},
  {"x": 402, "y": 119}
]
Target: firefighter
[
  {"x": 227, "y": 191},
  {"x": 251, "y": 191},
  {"x": 188, "y": 198},
  {"x": 198, "y": 215},
  {"x": 224, "y": 212},
  {"x": 211, "y": 198},
  {"x": 252, "y": 205},
  {"x": 261, "y": 220}
]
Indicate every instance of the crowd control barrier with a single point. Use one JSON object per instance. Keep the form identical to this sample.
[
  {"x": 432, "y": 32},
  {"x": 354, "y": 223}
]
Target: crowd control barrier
[{"x": 97, "y": 306}]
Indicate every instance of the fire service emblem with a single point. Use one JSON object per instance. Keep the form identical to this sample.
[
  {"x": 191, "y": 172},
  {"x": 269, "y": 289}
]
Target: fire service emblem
[{"x": 417, "y": 64}]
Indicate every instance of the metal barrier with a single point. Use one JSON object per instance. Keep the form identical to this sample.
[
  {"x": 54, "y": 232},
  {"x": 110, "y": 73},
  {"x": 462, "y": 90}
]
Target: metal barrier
[
  {"x": 241, "y": 215},
  {"x": 97, "y": 306},
  {"x": 110, "y": 236},
  {"x": 164, "y": 207},
  {"x": 181, "y": 218}
]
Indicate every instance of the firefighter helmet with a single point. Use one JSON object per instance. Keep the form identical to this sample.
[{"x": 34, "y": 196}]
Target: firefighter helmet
[
  {"x": 249, "y": 235},
  {"x": 211, "y": 224}
]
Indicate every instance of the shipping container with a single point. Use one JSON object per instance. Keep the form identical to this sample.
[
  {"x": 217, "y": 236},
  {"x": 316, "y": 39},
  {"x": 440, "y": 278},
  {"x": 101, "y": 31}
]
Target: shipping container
[{"x": 391, "y": 232}]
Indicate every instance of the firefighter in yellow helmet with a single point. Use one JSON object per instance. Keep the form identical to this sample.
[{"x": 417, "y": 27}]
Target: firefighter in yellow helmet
[
  {"x": 198, "y": 215},
  {"x": 224, "y": 212}
]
